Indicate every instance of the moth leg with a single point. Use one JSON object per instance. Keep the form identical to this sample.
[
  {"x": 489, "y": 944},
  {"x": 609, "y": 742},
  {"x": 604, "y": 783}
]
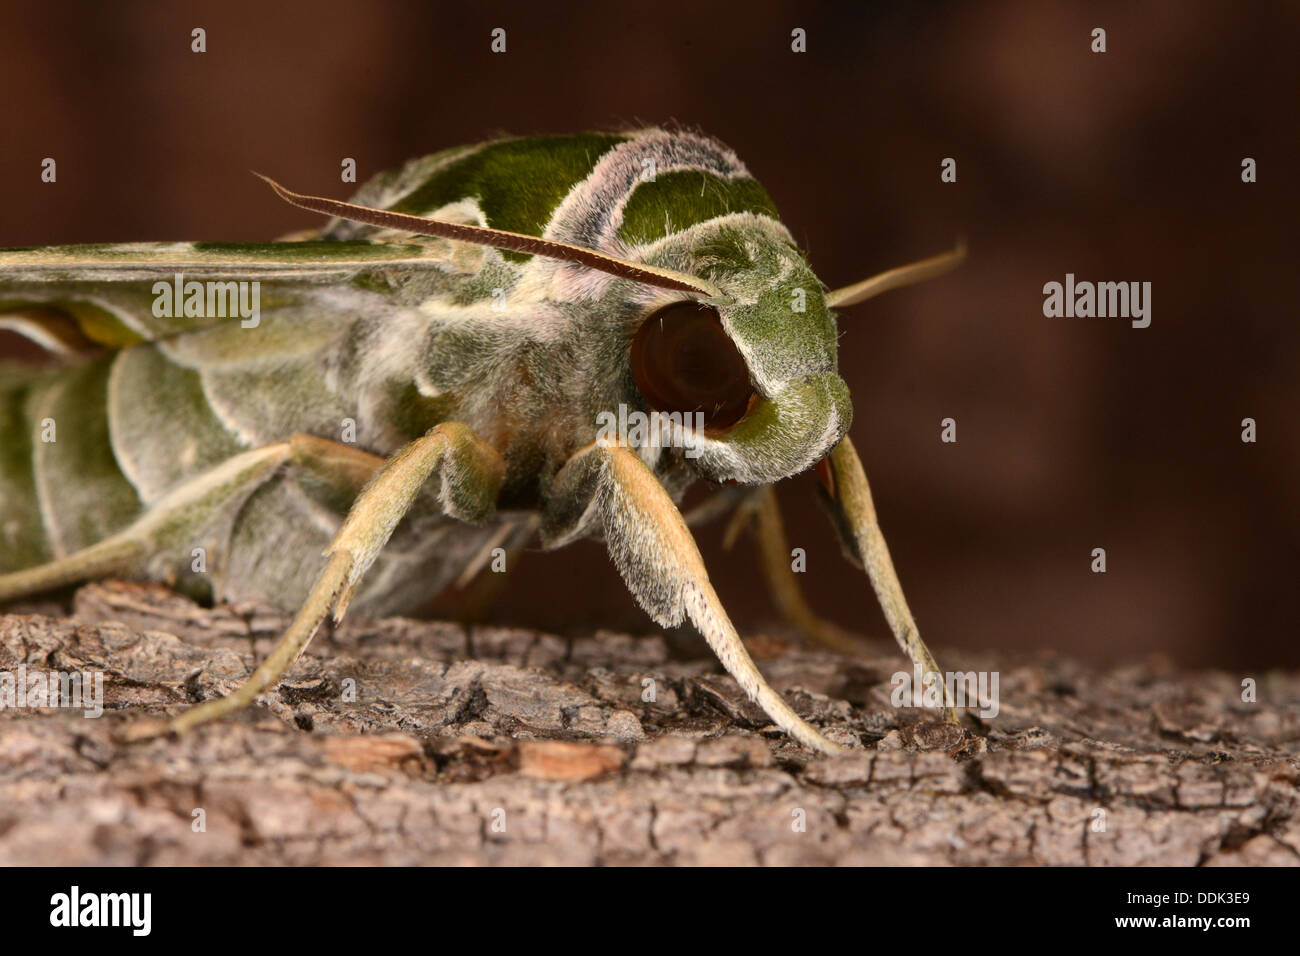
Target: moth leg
[
  {"x": 849, "y": 497},
  {"x": 337, "y": 471},
  {"x": 471, "y": 603},
  {"x": 661, "y": 565},
  {"x": 470, "y": 473},
  {"x": 509, "y": 538},
  {"x": 476, "y": 587},
  {"x": 187, "y": 505},
  {"x": 761, "y": 512},
  {"x": 721, "y": 503},
  {"x": 340, "y": 469},
  {"x": 102, "y": 558}
]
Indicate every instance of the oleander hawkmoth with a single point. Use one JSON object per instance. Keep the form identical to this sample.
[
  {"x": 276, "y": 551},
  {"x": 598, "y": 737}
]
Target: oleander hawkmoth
[{"x": 430, "y": 377}]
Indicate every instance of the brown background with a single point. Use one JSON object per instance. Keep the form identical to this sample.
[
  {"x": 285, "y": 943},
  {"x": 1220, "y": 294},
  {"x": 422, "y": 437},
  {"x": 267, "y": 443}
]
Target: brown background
[{"x": 1073, "y": 433}]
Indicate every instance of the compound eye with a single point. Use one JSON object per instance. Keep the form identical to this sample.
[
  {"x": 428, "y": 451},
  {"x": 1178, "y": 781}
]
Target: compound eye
[{"x": 683, "y": 361}]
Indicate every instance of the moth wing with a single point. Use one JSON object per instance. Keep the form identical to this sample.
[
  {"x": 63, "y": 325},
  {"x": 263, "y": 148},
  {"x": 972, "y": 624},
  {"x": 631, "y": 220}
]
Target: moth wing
[{"x": 74, "y": 299}]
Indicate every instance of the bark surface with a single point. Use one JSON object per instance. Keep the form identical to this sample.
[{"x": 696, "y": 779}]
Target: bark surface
[{"x": 410, "y": 742}]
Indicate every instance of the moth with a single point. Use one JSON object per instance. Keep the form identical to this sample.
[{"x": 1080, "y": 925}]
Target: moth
[{"x": 364, "y": 414}]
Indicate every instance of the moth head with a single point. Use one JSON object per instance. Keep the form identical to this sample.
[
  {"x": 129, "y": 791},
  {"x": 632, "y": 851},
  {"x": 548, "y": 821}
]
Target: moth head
[
  {"x": 751, "y": 370},
  {"x": 758, "y": 358}
]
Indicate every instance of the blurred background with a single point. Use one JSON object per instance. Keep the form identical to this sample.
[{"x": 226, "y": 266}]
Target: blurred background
[{"x": 1073, "y": 433}]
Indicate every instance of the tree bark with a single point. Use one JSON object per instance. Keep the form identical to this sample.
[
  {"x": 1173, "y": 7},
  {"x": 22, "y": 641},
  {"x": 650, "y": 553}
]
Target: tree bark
[{"x": 409, "y": 742}]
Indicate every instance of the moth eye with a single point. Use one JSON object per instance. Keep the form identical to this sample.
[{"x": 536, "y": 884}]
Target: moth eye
[{"x": 683, "y": 361}]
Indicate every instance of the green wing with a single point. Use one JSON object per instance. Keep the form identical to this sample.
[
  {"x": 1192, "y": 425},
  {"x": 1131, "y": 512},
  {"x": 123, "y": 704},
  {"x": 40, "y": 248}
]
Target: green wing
[{"x": 71, "y": 299}]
